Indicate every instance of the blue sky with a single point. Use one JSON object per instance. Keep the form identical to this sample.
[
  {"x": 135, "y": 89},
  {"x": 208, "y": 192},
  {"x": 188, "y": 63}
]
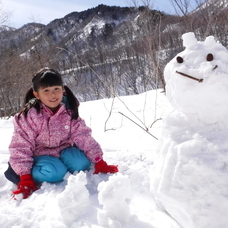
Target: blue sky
[{"x": 44, "y": 11}]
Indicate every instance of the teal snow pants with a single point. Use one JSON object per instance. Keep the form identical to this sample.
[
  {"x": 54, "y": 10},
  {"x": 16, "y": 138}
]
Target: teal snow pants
[{"x": 51, "y": 169}]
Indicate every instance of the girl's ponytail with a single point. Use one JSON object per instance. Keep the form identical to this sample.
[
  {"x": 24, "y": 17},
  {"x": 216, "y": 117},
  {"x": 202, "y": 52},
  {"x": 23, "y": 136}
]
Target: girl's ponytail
[
  {"x": 28, "y": 96},
  {"x": 72, "y": 103},
  {"x": 29, "y": 102}
]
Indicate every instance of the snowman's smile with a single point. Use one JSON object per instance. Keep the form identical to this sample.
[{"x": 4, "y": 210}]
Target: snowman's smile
[
  {"x": 180, "y": 60},
  {"x": 188, "y": 76}
]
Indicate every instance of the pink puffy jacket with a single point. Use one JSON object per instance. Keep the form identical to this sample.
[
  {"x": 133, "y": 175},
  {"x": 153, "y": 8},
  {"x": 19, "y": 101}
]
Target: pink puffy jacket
[{"x": 45, "y": 133}]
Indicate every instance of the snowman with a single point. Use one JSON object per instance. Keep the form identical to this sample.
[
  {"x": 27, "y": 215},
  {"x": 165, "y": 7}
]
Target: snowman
[{"x": 189, "y": 178}]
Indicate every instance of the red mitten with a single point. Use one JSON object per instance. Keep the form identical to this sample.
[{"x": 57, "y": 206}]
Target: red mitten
[
  {"x": 26, "y": 186},
  {"x": 103, "y": 167}
]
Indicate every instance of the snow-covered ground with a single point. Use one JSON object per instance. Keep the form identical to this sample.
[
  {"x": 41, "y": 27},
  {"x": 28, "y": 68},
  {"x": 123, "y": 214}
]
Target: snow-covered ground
[{"x": 86, "y": 200}]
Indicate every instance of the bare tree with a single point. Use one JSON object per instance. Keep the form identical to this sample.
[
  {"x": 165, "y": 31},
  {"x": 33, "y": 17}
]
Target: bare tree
[
  {"x": 4, "y": 14},
  {"x": 181, "y": 7}
]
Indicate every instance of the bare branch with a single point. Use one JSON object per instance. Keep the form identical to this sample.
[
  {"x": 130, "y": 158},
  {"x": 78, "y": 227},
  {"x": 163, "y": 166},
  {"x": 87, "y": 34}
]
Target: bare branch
[
  {"x": 146, "y": 130},
  {"x": 4, "y": 14}
]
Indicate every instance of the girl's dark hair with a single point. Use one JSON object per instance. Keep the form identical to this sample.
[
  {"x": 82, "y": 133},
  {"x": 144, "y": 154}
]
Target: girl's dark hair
[{"x": 44, "y": 78}]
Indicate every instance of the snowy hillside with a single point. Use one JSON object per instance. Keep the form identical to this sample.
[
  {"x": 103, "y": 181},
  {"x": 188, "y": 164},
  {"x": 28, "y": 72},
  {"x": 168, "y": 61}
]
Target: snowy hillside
[
  {"x": 96, "y": 201},
  {"x": 214, "y": 4}
]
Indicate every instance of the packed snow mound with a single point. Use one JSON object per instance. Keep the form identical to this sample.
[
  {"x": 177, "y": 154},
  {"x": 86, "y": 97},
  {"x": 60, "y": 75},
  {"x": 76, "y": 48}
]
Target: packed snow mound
[
  {"x": 189, "y": 178},
  {"x": 113, "y": 196}
]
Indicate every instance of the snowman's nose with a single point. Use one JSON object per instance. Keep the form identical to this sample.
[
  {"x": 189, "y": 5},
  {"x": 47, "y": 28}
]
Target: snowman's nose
[{"x": 188, "y": 76}]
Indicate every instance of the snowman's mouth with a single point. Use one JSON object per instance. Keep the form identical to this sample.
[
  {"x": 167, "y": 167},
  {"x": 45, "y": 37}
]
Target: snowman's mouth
[{"x": 188, "y": 76}]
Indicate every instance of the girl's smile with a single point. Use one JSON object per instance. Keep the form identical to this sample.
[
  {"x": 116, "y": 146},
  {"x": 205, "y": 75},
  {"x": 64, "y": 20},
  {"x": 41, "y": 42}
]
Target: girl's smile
[{"x": 50, "y": 96}]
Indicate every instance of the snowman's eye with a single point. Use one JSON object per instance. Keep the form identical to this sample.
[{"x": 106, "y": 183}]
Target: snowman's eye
[
  {"x": 180, "y": 59},
  {"x": 210, "y": 57}
]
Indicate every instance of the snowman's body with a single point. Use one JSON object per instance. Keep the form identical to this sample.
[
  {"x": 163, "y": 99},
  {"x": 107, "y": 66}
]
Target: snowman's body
[{"x": 190, "y": 176}]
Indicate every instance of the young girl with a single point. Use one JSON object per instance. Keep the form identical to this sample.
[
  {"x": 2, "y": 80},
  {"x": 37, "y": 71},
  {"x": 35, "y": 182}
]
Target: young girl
[{"x": 50, "y": 138}]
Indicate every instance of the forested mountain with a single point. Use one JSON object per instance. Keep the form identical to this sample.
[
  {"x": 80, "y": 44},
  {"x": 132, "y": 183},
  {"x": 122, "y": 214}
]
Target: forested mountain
[{"x": 102, "y": 52}]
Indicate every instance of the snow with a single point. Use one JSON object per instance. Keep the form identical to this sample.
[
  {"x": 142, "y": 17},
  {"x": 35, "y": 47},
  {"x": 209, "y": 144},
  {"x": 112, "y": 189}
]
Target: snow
[
  {"x": 177, "y": 181},
  {"x": 103, "y": 200},
  {"x": 190, "y": 176}
]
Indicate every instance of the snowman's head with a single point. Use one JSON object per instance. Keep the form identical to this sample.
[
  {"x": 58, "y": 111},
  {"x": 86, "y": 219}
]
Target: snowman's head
[{"x": 197, "y": 79}]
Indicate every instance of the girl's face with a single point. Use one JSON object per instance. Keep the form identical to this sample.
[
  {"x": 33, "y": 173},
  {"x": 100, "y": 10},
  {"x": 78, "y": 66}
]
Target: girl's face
[{"x": 50, "y": 96}]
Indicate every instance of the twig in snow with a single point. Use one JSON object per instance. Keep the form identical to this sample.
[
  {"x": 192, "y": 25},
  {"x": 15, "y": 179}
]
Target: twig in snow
[{"x": 146, "y": 130}]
